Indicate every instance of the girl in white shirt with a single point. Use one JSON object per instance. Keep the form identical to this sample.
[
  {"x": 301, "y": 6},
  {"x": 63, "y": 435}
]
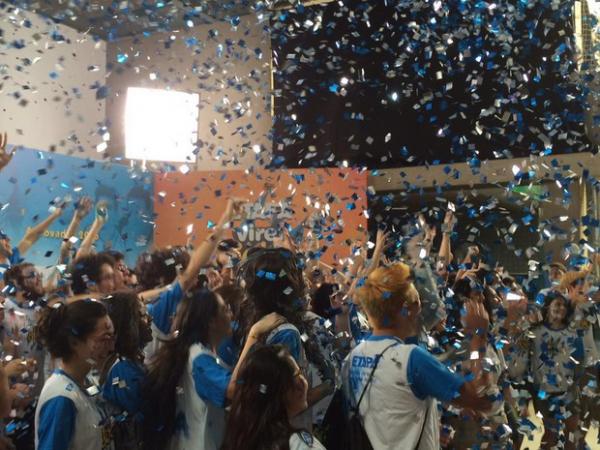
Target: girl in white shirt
[
  {"x": 68, "y": 416},
  {"x": 188, "y": 386},
  {"x": 272, "y": 392}
]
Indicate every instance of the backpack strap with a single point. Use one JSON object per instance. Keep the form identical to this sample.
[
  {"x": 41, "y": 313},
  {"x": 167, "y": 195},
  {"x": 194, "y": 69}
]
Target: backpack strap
[{"x": 357, "y": 407}]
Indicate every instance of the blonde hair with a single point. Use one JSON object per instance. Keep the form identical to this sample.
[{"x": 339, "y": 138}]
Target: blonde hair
[
  {"x": 385, "y": 292},
  {"x": 569, "y": 278}
]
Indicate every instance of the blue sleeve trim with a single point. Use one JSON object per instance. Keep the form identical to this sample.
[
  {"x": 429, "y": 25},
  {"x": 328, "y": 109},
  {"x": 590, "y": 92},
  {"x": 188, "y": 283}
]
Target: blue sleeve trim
[
  {"x": 163, "y": 310},
  {"x": 229, "y": 351},
  {"x": 15, "y": 257},
  {"x": 430, "y": 378},
  {"x": 56, "y": 424},
  {"x": 123, "y": 386},
  {"x": 289, "y": 339},
  {"x": 210, "y": 380}
]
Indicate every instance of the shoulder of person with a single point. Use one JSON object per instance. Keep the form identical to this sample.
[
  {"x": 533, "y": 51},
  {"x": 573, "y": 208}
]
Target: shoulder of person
[{"x": 302, "y": 440}]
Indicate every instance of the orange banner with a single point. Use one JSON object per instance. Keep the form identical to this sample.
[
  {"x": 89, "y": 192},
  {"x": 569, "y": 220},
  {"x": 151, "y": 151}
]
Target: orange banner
[{"x": 329, "y": 203}]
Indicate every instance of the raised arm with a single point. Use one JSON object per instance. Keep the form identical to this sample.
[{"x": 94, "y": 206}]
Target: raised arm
[
  {"x": 445, "y": 253},
  {"x": 472, "y": 394},
  {"x": 94, "y": 231},
  {"x": 4, "y": 156},
  {"x": 381, "y": 243},
  {"x": 202, "y": 254},
  {"x": 82, "y": 209},
  {"x": 33, "y": 234}
]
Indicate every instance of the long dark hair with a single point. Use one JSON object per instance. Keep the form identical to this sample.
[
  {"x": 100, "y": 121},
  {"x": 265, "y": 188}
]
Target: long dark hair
[
  {"x": 132, "y": 334},
  {"x": 86, "y": 271},
  {"x": 196, "y": 311},
  {"x": 61, "y": 326},
  {"x": 160, "y": 267},
  {"x": 321, "y": 300},
  {"x": 273, "y": 282},
  {"x": 550, "y": 297},
  {"x": 258, "y": 418}
]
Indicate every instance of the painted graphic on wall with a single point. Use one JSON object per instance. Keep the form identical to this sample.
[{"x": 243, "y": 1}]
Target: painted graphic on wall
[
  {"x": 328, "y": 203},
  {"x": 35, "y": 181}
]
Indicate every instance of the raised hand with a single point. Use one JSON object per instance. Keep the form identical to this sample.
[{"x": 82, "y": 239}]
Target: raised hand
[
  {"x": 476, "y": 317},
  {"x": 234, "y": 209},
  {"x": 4, "y": 157},
  {"x": 83, "y": 208},
  {"x": 102, "y": 211},
  {"x": 266, "y": 324}
]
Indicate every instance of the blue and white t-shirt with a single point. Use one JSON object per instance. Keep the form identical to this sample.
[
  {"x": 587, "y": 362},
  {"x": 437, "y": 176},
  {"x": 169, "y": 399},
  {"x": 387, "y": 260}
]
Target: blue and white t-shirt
[
  {"x": 289, "y": 336},
  {"x": 201, "y": 402},
  {"x": 556, "y": 358},
  {"x": 14, "y": 259},
  {"x": 303, "y": 440},
  {"x": 399, "y": 404},
  {"x": 68, "y": 418},
  {"x": 123, "y": 385},
  {"x": 162, "y": 311}
]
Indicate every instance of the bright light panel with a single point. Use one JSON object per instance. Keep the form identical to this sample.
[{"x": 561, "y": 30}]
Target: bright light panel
[{"x": 161, "y": 125}]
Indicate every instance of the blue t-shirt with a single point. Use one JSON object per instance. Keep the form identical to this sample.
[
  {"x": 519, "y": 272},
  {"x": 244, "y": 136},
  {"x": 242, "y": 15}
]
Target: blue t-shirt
[
  {"x": 289, "y": 338},
  {"x": 12, "y": 260},
  {"x": 56, "y": 424},
  {"x": 430, "y": 378},
  {"x": 229, "y": 351},
  {"x": 123, "y": 385},
  {"x": 210, "y": 379},
  {"x": 164, "y": 308}
]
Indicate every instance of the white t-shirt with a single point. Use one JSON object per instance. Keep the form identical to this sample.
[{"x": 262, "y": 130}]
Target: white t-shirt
[
  {"x": 201, "y": 404},
  {"x": 303, "y": 440},
  {"x": 399, "y": 408},
  {"x": 68, "y": 418}
]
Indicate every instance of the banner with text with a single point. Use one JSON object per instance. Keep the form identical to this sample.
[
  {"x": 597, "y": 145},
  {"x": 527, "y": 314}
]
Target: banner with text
[
  {"x": 328, "y": 203},
  {"x": 35, "y": 179}
]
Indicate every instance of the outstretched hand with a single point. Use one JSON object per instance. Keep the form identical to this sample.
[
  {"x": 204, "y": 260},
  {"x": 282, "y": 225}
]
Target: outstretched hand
[
  {"x": 83, "y": 207},
  {"x": 5, "y": 157}
]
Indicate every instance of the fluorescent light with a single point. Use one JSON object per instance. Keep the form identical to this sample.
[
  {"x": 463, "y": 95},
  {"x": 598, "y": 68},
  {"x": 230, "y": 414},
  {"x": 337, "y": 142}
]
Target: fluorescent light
[{"x": 161, "y": 125}]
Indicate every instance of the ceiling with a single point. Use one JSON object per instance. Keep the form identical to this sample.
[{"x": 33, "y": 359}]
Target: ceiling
[{"x": 115, "y": 19}]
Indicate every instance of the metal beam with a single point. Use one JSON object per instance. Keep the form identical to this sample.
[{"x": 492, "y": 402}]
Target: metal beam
[{"x": 490, "y": 172}]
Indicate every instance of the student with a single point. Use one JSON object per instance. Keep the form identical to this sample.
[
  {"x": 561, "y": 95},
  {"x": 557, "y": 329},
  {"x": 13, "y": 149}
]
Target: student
[
  {"x": 123, "y": 372},
  {"x": 272, "y": 391},
  {"x": 10, "y": 255},
  {"x": 67, "y": 416},
  {"x": 273, "y": 283},
  {"x": 172, "y": 280},
  {"x": 93, "y": 274},
  {"x": 24, "y": 298},
  {"x": 399, "y": 408},
  {"x": 193, "y": 417},
  {"x": 552, "y": 352}
]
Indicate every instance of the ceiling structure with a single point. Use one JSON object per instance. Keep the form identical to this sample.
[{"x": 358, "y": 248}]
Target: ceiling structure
[{"x": 116, "y": 19}]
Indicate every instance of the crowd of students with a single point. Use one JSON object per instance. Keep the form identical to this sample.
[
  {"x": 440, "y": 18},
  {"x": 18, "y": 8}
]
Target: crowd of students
[{"x": 211, "y": 346}]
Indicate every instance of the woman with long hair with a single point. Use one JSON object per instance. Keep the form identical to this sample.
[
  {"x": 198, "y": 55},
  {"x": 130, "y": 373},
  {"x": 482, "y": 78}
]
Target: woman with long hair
[
  {"x": 273, "y": 283},
  {"x": 68, "y": 416},
  {"x": 187, "y": 386},
  {"x": 123, "y": 372},
  {"x": 552, "y": 353},
  {"x": 272, "y": 392}
]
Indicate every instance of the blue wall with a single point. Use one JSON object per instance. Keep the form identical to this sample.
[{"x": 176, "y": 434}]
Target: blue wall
[{"x": 34, "y": 178}]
